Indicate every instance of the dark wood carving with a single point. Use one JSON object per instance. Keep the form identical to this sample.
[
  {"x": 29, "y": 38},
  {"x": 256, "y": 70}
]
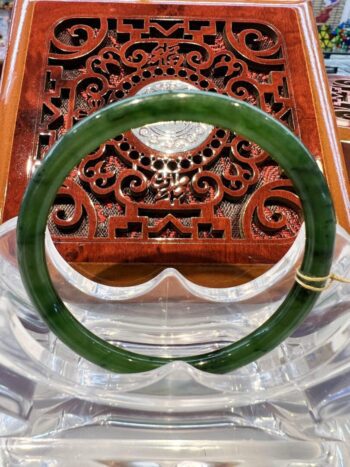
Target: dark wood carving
[
  {"x": 340, "y": 89},
  {"x": 224, "y": 189},
  {"x": 224, "y": 200}
]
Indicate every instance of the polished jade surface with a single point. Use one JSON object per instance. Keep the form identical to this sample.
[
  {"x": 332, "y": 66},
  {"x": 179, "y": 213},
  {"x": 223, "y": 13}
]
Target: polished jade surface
[{"x": 219, "y": 111}]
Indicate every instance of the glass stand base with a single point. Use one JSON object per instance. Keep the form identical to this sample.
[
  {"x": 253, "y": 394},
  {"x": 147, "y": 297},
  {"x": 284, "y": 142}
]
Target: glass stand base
[
  {"x": 289, "y": 408},
  {"x": 207, "y": 452}
]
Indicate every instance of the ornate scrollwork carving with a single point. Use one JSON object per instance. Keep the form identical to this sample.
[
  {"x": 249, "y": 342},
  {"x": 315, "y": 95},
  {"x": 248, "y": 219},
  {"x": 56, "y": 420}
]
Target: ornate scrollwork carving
[
  {"x": 75, "y": 39},
  {"x": 131, "y": 185},
  {"x": 340, "y": 89},
  {"x": 259, "y": 43},
  {"x": 68, "y": 216},
  {"x": 272, "y": 209},
  {"x": 221, "y": 187}
]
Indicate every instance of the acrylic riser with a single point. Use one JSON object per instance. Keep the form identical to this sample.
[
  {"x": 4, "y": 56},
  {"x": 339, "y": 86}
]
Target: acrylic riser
[{"x": 289, "y": 408}]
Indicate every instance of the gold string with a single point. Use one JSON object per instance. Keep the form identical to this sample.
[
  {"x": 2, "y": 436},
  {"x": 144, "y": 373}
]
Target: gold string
[{"x": 302, "y": 280}]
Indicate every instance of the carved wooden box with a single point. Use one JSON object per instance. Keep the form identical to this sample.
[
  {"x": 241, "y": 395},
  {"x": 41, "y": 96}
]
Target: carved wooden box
[{"x": 176, "y": 192}]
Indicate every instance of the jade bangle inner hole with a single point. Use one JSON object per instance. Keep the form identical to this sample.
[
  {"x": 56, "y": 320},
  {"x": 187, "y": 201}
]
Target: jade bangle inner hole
[
  {"x": 179, "y": 165},
  {"x": 237, "y": 116},
  {"x": 175, "y": 284}
]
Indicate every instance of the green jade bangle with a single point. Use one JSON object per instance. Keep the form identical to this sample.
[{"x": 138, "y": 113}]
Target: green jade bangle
[{"x": 219, "y": 111}]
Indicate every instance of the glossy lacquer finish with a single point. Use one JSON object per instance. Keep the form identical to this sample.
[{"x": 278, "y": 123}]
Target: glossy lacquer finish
[
  {"x": 219, "y": 111},
  {"x": 262, "y": 52}
]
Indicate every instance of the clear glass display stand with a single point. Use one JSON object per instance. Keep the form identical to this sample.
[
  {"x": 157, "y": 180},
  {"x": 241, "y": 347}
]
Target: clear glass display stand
[{"x": 289, "y": 408}]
